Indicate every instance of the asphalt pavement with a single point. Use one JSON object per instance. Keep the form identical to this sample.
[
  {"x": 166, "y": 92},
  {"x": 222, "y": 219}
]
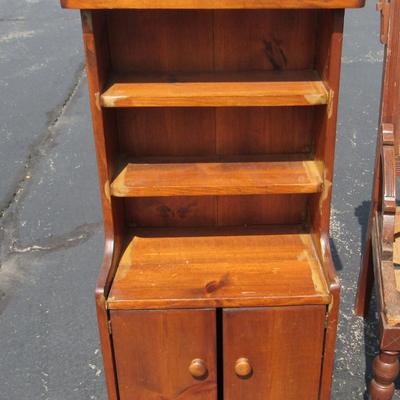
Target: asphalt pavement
[{"x": 51, "y": 239}]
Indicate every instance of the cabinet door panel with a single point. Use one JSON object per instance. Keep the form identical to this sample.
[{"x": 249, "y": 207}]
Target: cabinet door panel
[
  {"x": 283, "y": 347},
  {"x": 154, "y": 349}
]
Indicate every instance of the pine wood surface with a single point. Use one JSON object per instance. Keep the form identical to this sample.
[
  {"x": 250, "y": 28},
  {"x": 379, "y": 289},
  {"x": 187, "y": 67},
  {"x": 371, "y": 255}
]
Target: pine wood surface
[
  {"x": 205, "y": 41},
  {"x": 211, "y": 4},
  {"x": 174, "y": 179},
  {"x": 97, "y": 63},
  {"x": 396, "y": 248},
  {"x": 258, "y": 88},
  {"x": 196, "y": 255},
  {"x": 154, "y": 349},
  {"x": 217, "y": 268},
  {"x": 385, "y": 275},
  {"x": 381, "y": 250},
  {"x": 328, "y": 62},
  {"x": 284, "y": 345},
  {"x": 396, "y": 258},
  {"x": 208, "y": 211},
  {"x": 219, "y": 131}
]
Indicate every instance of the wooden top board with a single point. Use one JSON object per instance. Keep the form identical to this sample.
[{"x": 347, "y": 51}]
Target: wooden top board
[
  {"x": 218, "y": 267},
  {"x": 210, "y": 4}
]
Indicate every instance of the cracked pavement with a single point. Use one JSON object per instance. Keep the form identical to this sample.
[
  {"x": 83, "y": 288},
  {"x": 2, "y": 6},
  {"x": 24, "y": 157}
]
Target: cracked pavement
[{"x": 50, "y": 218}]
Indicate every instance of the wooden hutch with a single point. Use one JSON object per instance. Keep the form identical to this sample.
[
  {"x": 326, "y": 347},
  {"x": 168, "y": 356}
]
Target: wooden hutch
[{"x": 215, "y": 123}]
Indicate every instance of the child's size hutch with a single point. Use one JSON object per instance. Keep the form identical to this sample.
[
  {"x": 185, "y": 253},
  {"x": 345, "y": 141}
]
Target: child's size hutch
[{"x": 215, "y": 127}]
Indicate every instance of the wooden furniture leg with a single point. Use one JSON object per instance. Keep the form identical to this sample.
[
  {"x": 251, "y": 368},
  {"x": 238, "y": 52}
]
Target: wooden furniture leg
[{"x": 385, "y": 372}]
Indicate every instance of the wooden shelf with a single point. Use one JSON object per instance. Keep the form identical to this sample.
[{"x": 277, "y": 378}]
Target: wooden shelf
[
  {"x": 258, "y": 88},
  {"x": 210, "y": 4},
  {"x": 238, "y": 178},
  {"x": 218, "y": 267}
]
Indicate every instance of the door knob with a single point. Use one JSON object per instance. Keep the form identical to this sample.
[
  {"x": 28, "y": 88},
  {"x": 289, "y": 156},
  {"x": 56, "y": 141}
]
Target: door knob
[
  {"x": 243, "y": 368},
  {"x": 198, "y": 368}
]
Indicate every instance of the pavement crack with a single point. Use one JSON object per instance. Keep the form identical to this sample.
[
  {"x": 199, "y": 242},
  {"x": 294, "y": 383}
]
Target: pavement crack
[
  {"x": 78, "y": 235},
  {"x": 12, "y": 19},
  {"x": 60, "y": 111},
  {"x": 15, "y": 267},
  {"x": 9, "y": 214},
  {"x": 39, "y": 150}
]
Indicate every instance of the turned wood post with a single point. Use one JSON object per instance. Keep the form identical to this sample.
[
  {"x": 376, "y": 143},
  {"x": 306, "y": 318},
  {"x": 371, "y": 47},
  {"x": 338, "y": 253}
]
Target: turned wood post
[{"x": 385, "y": 370}]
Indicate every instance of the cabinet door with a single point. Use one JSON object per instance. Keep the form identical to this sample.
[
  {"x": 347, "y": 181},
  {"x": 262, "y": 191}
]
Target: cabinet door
[
  {"x": 273, "y": 353},
  {"x": 154, "y": 351}
]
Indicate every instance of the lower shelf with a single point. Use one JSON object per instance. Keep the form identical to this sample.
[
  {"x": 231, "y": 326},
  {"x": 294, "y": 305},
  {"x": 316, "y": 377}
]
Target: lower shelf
[{"x": 218, "y": 267}]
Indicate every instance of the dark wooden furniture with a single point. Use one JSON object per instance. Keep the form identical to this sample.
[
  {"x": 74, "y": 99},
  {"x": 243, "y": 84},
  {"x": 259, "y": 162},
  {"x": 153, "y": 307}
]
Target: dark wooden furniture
[
  {"x": 381, "y": 259},
  {"x": 215, "y": 126}
]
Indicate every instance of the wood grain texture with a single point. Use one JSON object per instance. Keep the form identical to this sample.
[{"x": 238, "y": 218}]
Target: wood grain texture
[
  {"x": 328, "y": 61},
  {"x": 202, "y": 211},
  {"x": 283, "y": 346},
  {"x": 396, "y": 248},
  {"x": 203, "y": 131},
  {"x": 387, "y": 293},
  {"x": 328, "y": 57},
  {"x": 381, "y": 248},
  {"x": 385, "y": 370},
  {"x": 389, "y": 180},
  {"x": 154, "y": 349},
  {"x": 206, "y": 68},
  {"x": 211, "y": 4},
  {"x": 332, "y": 317},
  {"x": 217, "y": 268},
  {"x": 294, "y": 88},
  {"x": 389, "y": 114},
  {"x": 194, "y": 179},
  {"x": 382, "y": 229},
  {"x": 97, "y": 64},
  {"x": 264, "y": 130},
  {"x": 167, "y": 132},
  {"x": 204, "y": 41}
]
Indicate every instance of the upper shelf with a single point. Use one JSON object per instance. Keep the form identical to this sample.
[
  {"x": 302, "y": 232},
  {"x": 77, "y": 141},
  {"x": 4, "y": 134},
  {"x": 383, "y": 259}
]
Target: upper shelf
[
  {"x": 210, "y": 4},
  {"x": 257, "y": 88}
]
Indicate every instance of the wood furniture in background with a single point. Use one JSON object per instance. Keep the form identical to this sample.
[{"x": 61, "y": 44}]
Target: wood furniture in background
[
  {"x": 381, "y": 259},
  {"x": 215, "y": 127}
]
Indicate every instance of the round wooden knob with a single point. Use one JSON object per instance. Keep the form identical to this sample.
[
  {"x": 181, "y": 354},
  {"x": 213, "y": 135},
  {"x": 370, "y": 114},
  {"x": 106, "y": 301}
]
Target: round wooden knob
[
  {"x": 243, "y": 368},
  {"x": 198, "y": 368}
]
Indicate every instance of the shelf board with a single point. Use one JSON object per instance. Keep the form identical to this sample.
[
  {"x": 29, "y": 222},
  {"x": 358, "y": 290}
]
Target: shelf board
[
  {"x": 197, "y": 179},
  {"x": 217, "y": 89},
  {"x": 210, "y": 4},
  {"x": 218, "y": 267}
]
